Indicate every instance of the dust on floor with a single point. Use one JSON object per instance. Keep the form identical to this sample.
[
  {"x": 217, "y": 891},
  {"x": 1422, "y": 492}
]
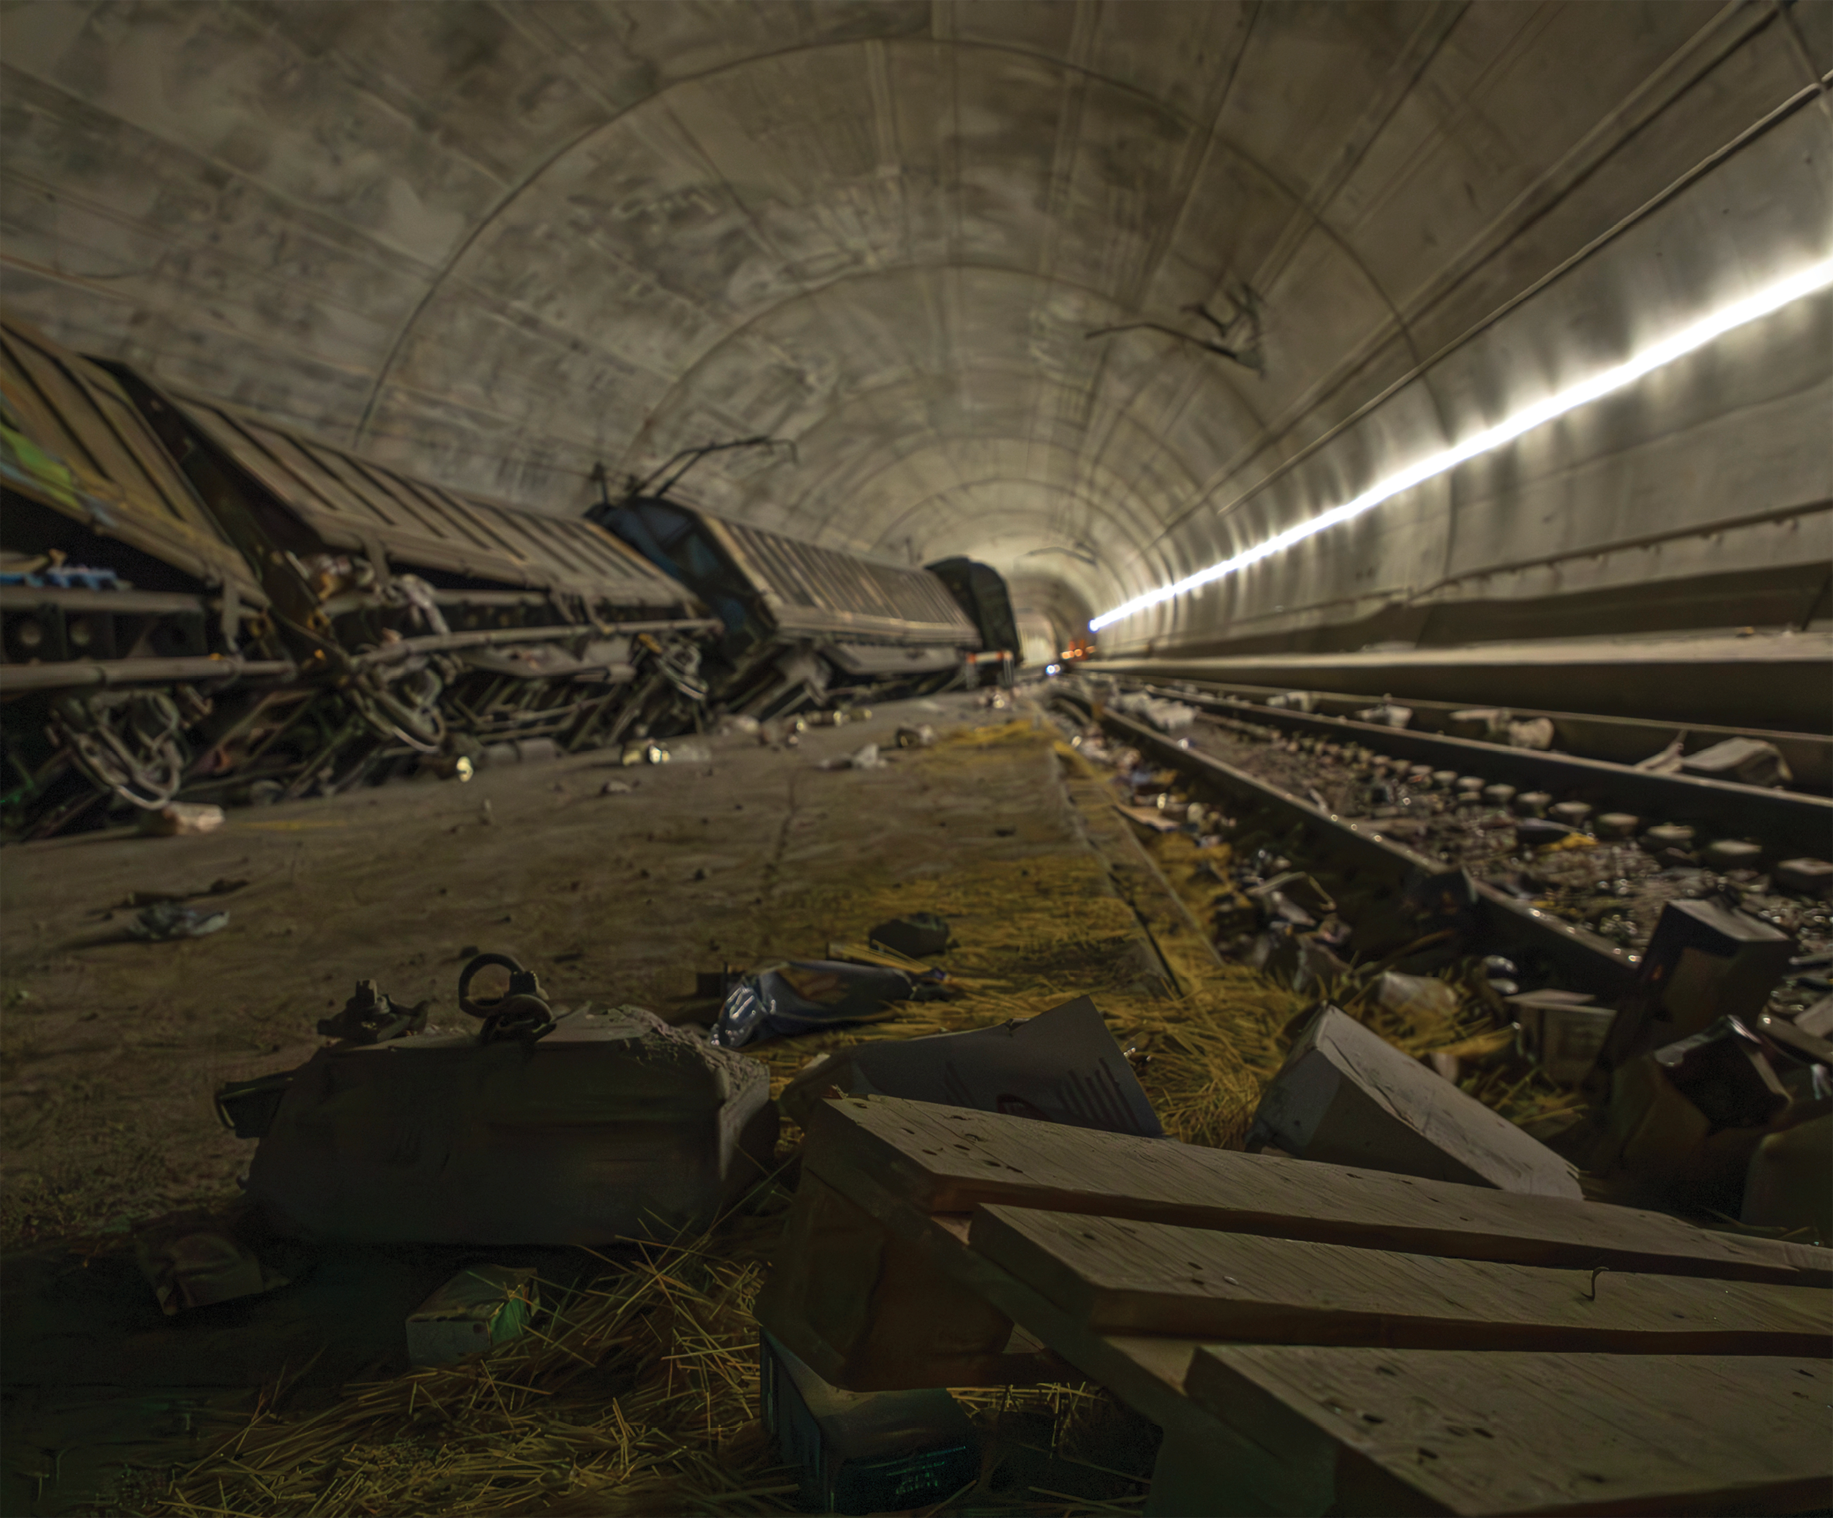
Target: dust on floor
[{"x": 639, "y": 1394}]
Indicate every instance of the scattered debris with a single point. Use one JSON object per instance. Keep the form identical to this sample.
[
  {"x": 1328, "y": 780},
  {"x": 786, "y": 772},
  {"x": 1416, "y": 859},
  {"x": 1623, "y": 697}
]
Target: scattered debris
[
  {"x": 222, "y": 887},
  {"x": 369, "y": 1017},
  {"x": 938, "y": 982},
  {"x": 1166, "y": 716},
  {"x": 1386, "y": 715},
  {"x": 1667, "y": 762},
  {"x": 181, "y": 819},
  {"x": 1533, "y": 732},
  {"x": 1749, "y": 761},
  {"x": 459, "y": 767},
  {"x": 1561, "y": 1032},
  {"x": 1702, "y": 963},
  {"x": 921, "y": 935},
  {"x": 923, "y": 736},
  {"x": 1489, "y": 722},
  {"x": 867, "y": 758},
  {"x": 802, "y": 995},
  {"x": 1415, "y": 996},
  {"x": 1725, "y": 1074},
  {"x": 1062, "y": 1066},
  {"x": 863, "y": 1452},
  {"x": 168, "y": 920},
  {"x": 198, "y": 1259},
  {"x": 1686, "y": 1119},
  {"x": 479, "y": 1308},
  {"x": 615, "y": 788},
  {"x": 654, "y": 751},
  {"x": 1347, "y": 1096},
  {"x": 1149, "y": 817}
]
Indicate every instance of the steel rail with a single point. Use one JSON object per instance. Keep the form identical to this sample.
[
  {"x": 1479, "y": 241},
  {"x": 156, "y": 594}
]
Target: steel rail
[
  {"x": 1788, "y": 821},
  {"x": 1583, "y": 959},
  {"x": 1589, "y": 735}
]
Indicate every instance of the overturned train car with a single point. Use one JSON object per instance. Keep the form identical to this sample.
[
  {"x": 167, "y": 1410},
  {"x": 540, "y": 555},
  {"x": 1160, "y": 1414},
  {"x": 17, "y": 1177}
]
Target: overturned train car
[
  {"x": 802, "y": 626},
  {"x": 307, "y": 619},
  {"x": 445, "y": 624},
  {"x": 131, "y": 626}
]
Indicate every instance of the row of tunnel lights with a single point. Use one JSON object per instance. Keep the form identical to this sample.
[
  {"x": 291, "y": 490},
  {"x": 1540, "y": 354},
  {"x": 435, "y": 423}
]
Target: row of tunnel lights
[{"x": 1805, "y": 282}]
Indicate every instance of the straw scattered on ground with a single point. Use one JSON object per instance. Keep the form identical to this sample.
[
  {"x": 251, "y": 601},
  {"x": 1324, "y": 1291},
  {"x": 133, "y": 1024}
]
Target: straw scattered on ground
[{"x": 636, "y": 1392}]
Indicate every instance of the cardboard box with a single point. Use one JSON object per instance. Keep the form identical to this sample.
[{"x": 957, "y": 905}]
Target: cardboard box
[{"x": 864, "y": 1452}]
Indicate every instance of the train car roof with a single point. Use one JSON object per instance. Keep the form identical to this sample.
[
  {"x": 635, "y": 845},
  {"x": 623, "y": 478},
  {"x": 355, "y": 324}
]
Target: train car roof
[
  {"x": 73, "y": 442},
  {"x": 356, "y": 504},
  {"x": 811, "y": 590}
]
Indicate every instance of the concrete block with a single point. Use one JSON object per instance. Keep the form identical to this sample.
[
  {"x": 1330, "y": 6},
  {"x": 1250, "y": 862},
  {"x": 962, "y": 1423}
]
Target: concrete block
[
  {"x": 1702, "y": 963},
  {"x": 1348, "y": 1097}
]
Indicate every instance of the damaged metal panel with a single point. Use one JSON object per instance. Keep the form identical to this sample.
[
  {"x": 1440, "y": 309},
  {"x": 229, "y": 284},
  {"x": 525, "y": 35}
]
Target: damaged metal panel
[
  {"x": 130, "y": 627},
  {"x": 804, "y": 625},
  {"x": 71, "y": 441},
  {"x": 361, "y": 506},
  {"x": 809, "y": 589}
]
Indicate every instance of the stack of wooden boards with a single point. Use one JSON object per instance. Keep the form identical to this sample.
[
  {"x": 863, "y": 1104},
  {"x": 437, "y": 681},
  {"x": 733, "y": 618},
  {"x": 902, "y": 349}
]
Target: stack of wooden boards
[{"x": 1315, "y": 1338}]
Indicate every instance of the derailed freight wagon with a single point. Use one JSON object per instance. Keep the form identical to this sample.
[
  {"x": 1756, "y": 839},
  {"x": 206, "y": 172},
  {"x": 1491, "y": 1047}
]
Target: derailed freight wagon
[
  {"x": 132, "y": 630},
  {"x": 443, "y": 623},
  {"x": 980, "y": 591},
  {"x": 803, "y": 626}
]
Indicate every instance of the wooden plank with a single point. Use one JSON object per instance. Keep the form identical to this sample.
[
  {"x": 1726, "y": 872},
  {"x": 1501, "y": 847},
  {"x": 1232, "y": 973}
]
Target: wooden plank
[
  {"x": 1146, "y": 1371},
  {"x": 947, "y": 1159},
  {"x": 866, "y": 1310},
  {"x": 1452, "y": 1431},
  {"x": 1131, "y": 1277}
]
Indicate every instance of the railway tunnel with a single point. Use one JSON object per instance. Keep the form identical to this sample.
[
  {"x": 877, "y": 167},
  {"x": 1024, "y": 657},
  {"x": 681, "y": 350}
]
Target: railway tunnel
[{"x": 809, "y": 526}]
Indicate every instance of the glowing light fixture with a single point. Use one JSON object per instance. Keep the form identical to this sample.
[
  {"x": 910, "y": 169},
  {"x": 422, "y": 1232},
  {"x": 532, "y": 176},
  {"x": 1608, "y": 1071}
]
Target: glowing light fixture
[{"x": 1806, "y": 282}]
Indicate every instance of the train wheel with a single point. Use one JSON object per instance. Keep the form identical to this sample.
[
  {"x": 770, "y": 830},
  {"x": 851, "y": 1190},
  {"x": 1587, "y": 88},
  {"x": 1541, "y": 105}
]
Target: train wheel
[{"x": 128, "y": 743}]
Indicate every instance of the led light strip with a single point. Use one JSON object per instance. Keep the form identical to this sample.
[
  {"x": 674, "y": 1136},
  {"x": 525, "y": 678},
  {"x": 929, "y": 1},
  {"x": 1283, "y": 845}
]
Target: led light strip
[{"x": 1806, "y": 282}]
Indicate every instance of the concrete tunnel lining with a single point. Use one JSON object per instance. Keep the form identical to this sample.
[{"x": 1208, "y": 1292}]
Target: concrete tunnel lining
[{"x": 572, "y": 248}]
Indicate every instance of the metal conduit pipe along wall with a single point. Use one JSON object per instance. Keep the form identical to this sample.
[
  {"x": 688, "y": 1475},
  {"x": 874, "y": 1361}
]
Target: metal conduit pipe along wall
[{"x": 497, "y": 244}]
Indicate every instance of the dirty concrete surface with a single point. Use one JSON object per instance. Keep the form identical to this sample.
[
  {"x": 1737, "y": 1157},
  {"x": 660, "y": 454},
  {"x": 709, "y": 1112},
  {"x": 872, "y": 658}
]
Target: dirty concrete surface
[{"x": 113, "y": 1046}]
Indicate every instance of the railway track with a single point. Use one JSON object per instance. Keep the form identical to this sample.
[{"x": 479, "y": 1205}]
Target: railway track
[
  {"x": 1592, "y": 735},
  {"x": 1560, "y": 864}
]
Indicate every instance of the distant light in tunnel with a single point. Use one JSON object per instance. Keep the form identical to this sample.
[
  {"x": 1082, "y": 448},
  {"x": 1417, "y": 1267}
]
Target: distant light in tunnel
[{"x": 1807, "y": 282}]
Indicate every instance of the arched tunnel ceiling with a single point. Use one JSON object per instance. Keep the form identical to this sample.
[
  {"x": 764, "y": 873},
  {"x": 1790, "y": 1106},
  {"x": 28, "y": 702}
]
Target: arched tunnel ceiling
[{"x": 502, "y": 242}]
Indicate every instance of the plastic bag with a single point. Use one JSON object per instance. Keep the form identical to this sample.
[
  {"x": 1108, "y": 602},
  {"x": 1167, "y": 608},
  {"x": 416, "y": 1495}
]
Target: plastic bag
[{"x": 806, "y": 994}]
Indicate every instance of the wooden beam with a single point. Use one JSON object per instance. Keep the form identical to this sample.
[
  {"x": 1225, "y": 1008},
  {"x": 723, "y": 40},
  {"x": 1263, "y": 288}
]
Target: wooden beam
[
  {"x": 1146, "y": 1371},
  {"x": 870, "y": 1310},
  {"x": 1131, "y": 1277},
  {"x": 950, "y": 1160},
  {"x": 1453, "y": 1431}
]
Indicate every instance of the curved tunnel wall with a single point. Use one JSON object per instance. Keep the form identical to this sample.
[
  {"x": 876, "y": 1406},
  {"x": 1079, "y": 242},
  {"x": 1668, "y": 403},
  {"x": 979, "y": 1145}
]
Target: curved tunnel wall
[{"x": 501, "y": 243}]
